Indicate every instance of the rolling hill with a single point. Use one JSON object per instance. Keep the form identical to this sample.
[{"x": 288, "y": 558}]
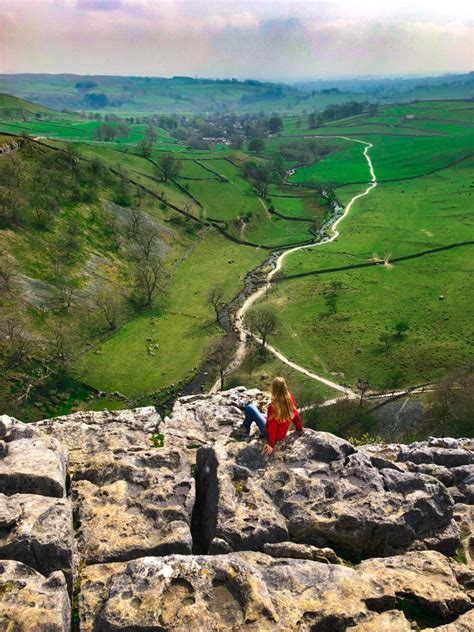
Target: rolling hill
[{"x": 191, "y": 95}]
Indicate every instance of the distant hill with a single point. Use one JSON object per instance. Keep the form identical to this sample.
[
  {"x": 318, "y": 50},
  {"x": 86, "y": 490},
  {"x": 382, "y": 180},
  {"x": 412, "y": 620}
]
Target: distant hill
[
  {"x": 15, "y": 108},
  {"x": 388, "y": 84},
  {"x": 145, "y": 94},
  {"x": 189, "y": 95}
]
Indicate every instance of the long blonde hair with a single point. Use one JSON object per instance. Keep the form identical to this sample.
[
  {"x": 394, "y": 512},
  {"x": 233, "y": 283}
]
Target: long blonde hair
[{"x": 283, "y": 406}]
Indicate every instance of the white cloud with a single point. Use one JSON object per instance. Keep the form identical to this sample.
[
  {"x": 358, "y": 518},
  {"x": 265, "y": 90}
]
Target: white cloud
[{"x": 230, "y": 38}]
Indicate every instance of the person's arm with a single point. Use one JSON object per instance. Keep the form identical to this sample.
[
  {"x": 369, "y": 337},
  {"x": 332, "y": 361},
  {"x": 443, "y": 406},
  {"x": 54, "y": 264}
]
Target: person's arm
[
  {"x": 297, "y": 422},
  {"x": 296, "y": 418},
  {"x": 271, "y": 438}
]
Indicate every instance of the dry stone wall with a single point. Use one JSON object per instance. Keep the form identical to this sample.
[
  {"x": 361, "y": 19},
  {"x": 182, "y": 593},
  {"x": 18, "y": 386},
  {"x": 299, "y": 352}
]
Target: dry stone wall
[{"x": 102, "y": 531}]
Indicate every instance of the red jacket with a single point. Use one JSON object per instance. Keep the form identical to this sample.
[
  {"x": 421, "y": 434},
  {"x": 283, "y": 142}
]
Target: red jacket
[{"x": 277, "y": 430}]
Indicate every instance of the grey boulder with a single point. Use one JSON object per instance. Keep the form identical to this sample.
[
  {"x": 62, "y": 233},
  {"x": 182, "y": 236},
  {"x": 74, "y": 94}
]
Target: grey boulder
[
  {"x": 31, "y": 462},
  {"x": 258, "y": 593},
  {"x": 37, "y": 530},
  {"x": 30, "y": 602},
  {"x": 316, "y": 489},
  {"x": 132, "y": 504}
]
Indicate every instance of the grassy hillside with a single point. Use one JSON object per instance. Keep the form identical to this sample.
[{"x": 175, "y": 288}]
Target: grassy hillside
[
  {"x": 69, "y": 203},
  {"x": 188, "y": 95},
  {"x": 424, "y": 201},
  {"x": 62, "y": 286},
  {"x": 12, "y": 107},
  {"x": 69, "y": 264}
]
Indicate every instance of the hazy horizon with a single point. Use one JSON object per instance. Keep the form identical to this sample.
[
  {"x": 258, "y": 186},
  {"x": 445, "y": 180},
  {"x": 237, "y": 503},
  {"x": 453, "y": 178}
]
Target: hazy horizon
[
  {"x": 289, "y": 80},
  {"x": 274, "y": 41}
]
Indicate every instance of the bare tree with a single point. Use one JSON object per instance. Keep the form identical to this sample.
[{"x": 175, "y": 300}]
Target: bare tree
[
  {"x": 7, "y": 273},
  {"x": 343, "y": 416},
  {"x": 221, "y": 353},
  {"x": 145, "y": 238},
  {"x": 70, "y": 239},
  {"x": 11, "y": 206},
  {"x": 45, "y": 208},
  {"x": 122, "y": 130},
  {"x": 151, "y": 134},
  {"x": 135, "y": 222},
  {"x": 148, "y": 279},
  {"x": 449, "y": 407},
  {"x": 16, "y": 344},
  {"x": 110, "y": 304},
  {"x": 168, "y": 167},
  {"x": 66, "y": 290},
  {"x": 114, "y": 229},
  {"x": 11, "y": 172},
  {"x": 62, "y": 345},
  {"x": 145, "y": 147},
  {"x": 362, "y": 386},
  {"x": 252, "y": 359},
  {"x": 264, "y": 320},
  {"x": 215, "y": 298}
]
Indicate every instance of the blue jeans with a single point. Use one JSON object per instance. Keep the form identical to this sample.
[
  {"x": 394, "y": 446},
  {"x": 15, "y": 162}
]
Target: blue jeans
[{"x": 253, "y": 414}]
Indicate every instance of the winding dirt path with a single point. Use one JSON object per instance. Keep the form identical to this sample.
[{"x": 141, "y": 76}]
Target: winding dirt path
[{"x": 260, "y": 292}]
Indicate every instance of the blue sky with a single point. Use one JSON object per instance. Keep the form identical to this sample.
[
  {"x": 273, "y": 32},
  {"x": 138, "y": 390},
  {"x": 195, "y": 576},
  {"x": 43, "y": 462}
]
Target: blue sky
[{"x": 261, "y": 39}]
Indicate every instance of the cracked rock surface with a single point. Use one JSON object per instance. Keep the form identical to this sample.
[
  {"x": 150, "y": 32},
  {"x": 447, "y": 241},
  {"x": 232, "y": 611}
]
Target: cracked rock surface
[
  {"x": 207, "y": 534},
  {"x": 317, "y": 489},
  {"x": 131, "y": 504},
  {"x": 30, "y": 602},
  {"x": 37, "y": 530},
  {"x": 30, "y": 461},
  {"x": 252, "y": 591}
]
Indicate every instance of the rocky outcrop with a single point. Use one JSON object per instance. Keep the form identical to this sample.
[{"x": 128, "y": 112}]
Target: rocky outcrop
[
  {"x": 207, "y": 533},
  {"x": 317, "y": 489},
  {"x": 31, "y": 462},
  {"x": 30, "y": 602},
  {"x": 36, "y": 525},
  {"x": 133, "y": 504},
  {"x": 87, "y": 434},
  {"x": 7, "y": 148},
  {"x": 199, "y": 420},
  {"x": 252, "y": 591},
  {"x": 37, "y": 531}
]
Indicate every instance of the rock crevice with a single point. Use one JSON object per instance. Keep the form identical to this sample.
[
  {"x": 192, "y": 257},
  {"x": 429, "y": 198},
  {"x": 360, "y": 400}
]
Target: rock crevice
[{"x": 206, "y": 533}]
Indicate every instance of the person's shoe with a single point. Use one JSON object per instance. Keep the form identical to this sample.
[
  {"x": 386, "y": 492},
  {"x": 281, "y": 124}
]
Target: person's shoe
[{"x": 241, "y": 432}]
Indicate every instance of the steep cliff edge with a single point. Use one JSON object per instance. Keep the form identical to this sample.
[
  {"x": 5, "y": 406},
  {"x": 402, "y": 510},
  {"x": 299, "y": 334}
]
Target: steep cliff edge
[{"x": 205, "y": 533}]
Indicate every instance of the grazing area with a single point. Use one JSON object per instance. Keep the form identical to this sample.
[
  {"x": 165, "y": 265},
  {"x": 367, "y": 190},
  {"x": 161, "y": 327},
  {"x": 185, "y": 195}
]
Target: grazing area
[
  {"x": 343, "y": 322},
  {"x": 177, "y": 94},
  {"x": 385, "y": 302}
]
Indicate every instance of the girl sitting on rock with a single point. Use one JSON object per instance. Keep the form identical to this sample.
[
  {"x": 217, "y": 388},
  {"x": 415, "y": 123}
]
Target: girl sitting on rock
[{"x": 280, "y": 413}]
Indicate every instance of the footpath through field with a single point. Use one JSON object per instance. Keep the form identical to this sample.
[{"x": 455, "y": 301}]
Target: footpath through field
[{"x": 244, "y": 333}]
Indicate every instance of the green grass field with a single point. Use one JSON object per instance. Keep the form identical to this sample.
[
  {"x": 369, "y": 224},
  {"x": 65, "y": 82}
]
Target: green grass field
[
  {"x": 181, "y": 324},
  {"x": 346, "y": 345},
  {"x": 148, "y": 95},
  {"x": 75, "y": 130},
  {"x": 423, "y": 201},
  {"x": 397, "y": 218}
]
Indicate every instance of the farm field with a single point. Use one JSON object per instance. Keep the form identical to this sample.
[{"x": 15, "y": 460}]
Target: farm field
[
  {"x": 398, "y": 218},
  {"x": 396, "y": 157},
  {"x": 423, "y": 201},
  {"x": 404, "y": 216},
  {"x": 127, "y": 95},
  {"x": 82, "y": 131},
  {"x": 346, "y": 346},
  {"x": 182, "y": 324}
]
